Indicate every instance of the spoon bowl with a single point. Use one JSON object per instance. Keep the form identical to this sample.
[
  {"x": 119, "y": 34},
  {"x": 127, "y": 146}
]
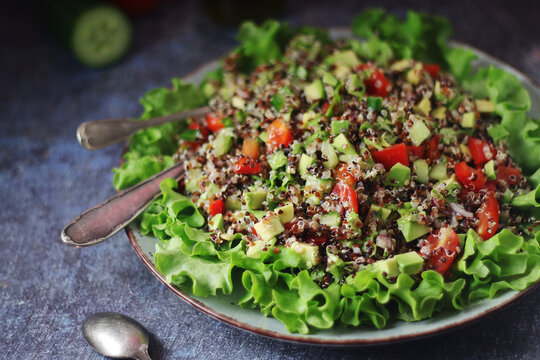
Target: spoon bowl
[{"x": 116, "y": 336}]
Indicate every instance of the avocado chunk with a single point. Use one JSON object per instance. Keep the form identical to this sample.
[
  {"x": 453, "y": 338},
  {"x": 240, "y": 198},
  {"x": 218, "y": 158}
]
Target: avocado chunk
[
  {"x": 320, "y": 185},
  {"x": 258, "y": 247},
  {"x": 304, "y": 163},
  {"x": 222, "y": 143},
  {"x": 438, "y": 172},
  {"x": 269, "y": 227},
  {"x": 340, "y": 126},
  {"x": 314, "y": 91},
  {"x": 421, "y": 170},
  {"x": 439, "y": 113},
  {"x": 330, "y": 155},
  {"x": 354, "y": 85},
  {"x": 216, "y": 222},
  {"x": 411, "y": 230},
  {"x": 468, "y": 120},
  {"x": 380, "y": 212},
  {"x": 415, "y": 74},
  {"x": 409, "y": 263},
  {"x": 484, "y": 106},
  {"x": 423, "y": 107},
  {"x": 448, "y": 189},
  {"x": 388, "y": 267},
  {"x": 401, "y": 65},
  {"x": 238, "y": 103},
  {"x": 419, "y": 132},
  {"x": 285, "y": 212},
  {"x": 254, "y": 199},
  {"x": 192, "y": 179},
  {"x": 343, "y": 146},
  {"x": 233, "y": 203},
  {"x": 309, "y": 254},
  {"x": 345, "y": 58},
  {"x": 332, "y": 219},
  {"x": 329, "y": 79},
  {"x": 489, "y": 170},
  {"x": 277, "y": 160},
  {"x": 211, "y": 190},
  {"x": 399, "y": 175}
]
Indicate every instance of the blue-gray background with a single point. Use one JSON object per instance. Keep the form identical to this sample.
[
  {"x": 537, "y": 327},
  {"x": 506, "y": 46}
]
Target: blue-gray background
[{"x": 46, "y": 178}]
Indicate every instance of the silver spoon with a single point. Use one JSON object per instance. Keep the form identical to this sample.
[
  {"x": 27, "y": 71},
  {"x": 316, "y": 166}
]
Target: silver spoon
[
  {"x": 93, "y": 135},
  {"x": 116, "y": 336}
]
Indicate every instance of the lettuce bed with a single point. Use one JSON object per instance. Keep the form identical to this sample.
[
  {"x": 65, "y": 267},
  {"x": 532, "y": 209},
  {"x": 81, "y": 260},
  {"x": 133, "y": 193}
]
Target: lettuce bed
[{"x": 278, "y": 284}]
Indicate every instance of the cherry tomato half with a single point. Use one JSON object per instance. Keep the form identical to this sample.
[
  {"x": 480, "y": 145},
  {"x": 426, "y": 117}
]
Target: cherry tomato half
[
  {"x": 481, "y": 151},
  {"x": 440, "y": 247},
  {"x": 377, "y": 84},
  {"x": 392, "y": 155},
  {"x": 416, "y": 151},
  {"x": 433, "y": 152},
  {"x": 247, "y": 166},
  {"x": 347, "y": 196},
  {"x": 344, "y": 174},
  {"x": 278, "y": 135},
  {"x": 216, "y": 207},
  {"x": 472, "y": 179},
  {"x": 488, "y": 215},
  {"x": 432, "y": 69},
  {"x": 214, "y": 123},
  {"x": 510, "y": 175}
]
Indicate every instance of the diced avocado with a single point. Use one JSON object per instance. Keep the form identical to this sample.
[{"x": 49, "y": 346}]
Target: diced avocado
[
  {"x": 411, "y": 229},
  {"x": 381, "y": 212},
  {"x": 319, "y": 185},
  {"x": 345, "y": 58},
  {"x": 314, "y": 91},
  {"x": 307, "y": 117},
  {"x": 399, "y": 175},
  {"x": 341, "y": 71},
  {"x": 263, "y": 136},
  {"x": 285, "y": 212},
  {"x": 211, "y": 190},
  {"x": 374, "y": 102},
  {"x": 216, "y": 222},
  {"x": 304, "y": 163},
  {"x": 301, "y": 72},
  {"x": 329, "y": 79},
  {"x": 192, "y": 180},
  {"x": 269, "y": 227},
  {"x": 439, "y": 113},
  {"x": 448, "y": 189},
  {"x": 354, "y": 84},
  {"x": 419, "y": 132},
  {"x": 222, "y": 143},
  {"x": 415, "y": 75},
  {"x": 468, "y": 120},
  {"x": 239, "y": 103},
  {"x": 257, "y": 247},
  {"x": 254, "y": 199},
  {"x": 332, "y": 219},
  {"x": 340, "y": 126},
  {"x": 437, "y": 91},
  {"x": 409, "y": 263},
  {"x": 277, "y": 160},
  {"x": 388, "y": 267},
  {"x": 233, "y": 203},
  {"x": 259, "y": 214},
  {"x": 342, "y": 145},
  {"x": 421, "y": 170},
  {"x": 309, "y": 254},
  {"x": 438, "y": 172},
  {"x": 330, "y": 155},
  {"x": 423, "y": 107},
  {"x": 465, "y": 149},
  {"x": 484, "y": 106},
  {"x": 401, "y": 65},
  {"x": 489, "y": 170}
]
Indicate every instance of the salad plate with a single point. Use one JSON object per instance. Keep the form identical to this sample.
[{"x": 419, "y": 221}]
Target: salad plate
[{"x": 225, "y": 308}]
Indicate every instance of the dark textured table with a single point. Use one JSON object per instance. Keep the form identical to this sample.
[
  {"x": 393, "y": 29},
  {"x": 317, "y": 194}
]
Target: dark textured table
[{"x": 46, "y": 178}]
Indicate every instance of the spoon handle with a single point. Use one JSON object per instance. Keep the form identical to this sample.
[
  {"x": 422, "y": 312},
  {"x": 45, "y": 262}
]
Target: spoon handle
[
  {"x": 93, "y": 135},
  {"x": 106, "y": 219}
]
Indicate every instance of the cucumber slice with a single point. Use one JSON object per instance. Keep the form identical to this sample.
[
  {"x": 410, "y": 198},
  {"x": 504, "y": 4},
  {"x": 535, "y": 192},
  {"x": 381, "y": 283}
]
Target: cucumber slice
[{"x": 101, "y": 35}]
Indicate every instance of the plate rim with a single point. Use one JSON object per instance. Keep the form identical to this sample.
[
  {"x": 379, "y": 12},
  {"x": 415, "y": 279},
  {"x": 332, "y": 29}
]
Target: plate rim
[{"x": 297, "y": 338}]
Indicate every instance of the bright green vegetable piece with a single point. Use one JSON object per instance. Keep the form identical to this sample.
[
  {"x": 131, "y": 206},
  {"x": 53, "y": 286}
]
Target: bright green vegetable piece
[
  {"x": 233, "y": 203},
  {"x": 269, "y": 227},
  {"x": 329, "y": 153},
  {"x": 340, "y": 126},
  {"x": 484, "y": 106},
  {"x": 489, "y": 170},
  {"x": 342, "y": 145},
  {"x": 309, "y": 254},
  {"x": 277, "y": 160},
  {"x": 381, "y": 212},
  {"x": 399, "y": 175},
  {"x": 374, "y": 102},
  {"x": 329, "y": 79},
  {"x": 468, "y": 120},
  {"x": 254, "y": 199},
  {"x": 257, "y": 247},
  {"x": 304, "y": 163},
  {"x": 438, "y": 172},
  {"x": 216, "y": 222},
  {"x": 388, "y": 267},
  {"x": 411, "y": 230},
  {"x": 409, "y": 263},
  {"x": 222, "y": 143},
  {"x": 332, "y": 219},
  {"x": 314, "y": 91},
  {"x": 192, "y": 179},
  {"x": 285, "y": 212},
  {"x": 423, "y": 107},
  {"x": 345, "y": 58},
  {"x": 419, "y": 132},
  {"x": 421, "y": 170}
]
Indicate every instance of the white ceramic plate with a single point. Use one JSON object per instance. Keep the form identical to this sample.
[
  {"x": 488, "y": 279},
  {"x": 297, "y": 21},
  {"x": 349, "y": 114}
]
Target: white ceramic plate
[{"x": 222, "y": 307}]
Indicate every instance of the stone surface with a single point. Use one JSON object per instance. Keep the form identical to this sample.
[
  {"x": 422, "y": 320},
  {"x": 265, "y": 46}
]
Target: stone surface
[{"x": 46, "y": 178}]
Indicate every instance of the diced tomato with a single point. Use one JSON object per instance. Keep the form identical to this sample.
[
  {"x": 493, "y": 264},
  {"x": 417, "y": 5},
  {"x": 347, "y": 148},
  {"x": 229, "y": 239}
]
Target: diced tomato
[
  {"x": 347, "y": 196},
  {"x": 247, "y": 166},
  {"x": 194, "y": 144},
  {"x": 472, "y": 179},
  {"x": 278, "y": 135},
  {"x": 314, "y": 239},
  {"x": 216, "y": 207},
  {"x": 491, "y": 186},
  {"x": 213, "y": 122},
  {"x": 441, "y": 247},
  {"x": 433, "y": 152},
  {"x": 344, "y": 174},
  {"x": 202, "y": 129},
  {"x": 325, "y": 107},
  {"x": 432, "y": 69},
  {"x": 488, "y": 215},
  {"x": 510, "y": 175},
  {"x": 377, "y": 84},
  {"x": 250, "y": 148},
  {"x": 392, "y": 155},
  {"x": 481, "y": 151},
  {"x": 416, "y": 151}
]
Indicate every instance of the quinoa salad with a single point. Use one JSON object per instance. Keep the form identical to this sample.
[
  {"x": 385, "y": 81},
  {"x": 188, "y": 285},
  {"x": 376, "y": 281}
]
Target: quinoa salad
[{"x": 344, "y": 182}]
